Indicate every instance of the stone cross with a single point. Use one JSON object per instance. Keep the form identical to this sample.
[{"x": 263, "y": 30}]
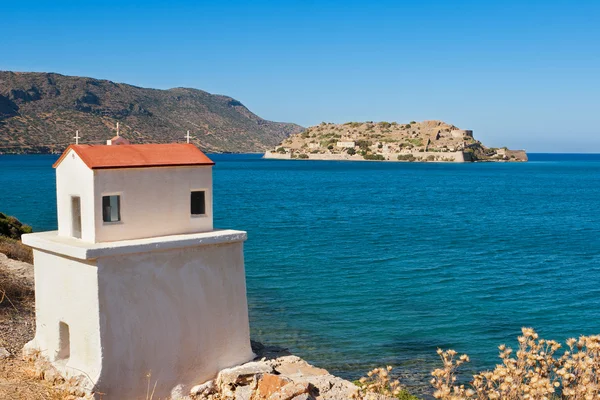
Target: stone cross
[
  {"x": 77, "y": 137},
  {"x": 117, "y": 129},
  {"x": 188, "y": 137}
]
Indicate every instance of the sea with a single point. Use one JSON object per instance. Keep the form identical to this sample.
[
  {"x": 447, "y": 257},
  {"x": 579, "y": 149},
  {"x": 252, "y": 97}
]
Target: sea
[{"x": 352, "y": 265}]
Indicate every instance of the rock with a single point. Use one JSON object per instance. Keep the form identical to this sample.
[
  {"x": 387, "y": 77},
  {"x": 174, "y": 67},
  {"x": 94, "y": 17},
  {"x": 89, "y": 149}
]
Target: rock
[
  {"x": 304, "y": 396},
  {"x": 295, "y": 366},
  {"x": 230, "y": 378},
  {"x": 231, "y": 375},
  {"x": 179, "y": 393},
  {"x": 243, "y": 393},
  {"x": 267, "y": 385},
  {"x": 290, "y": 391},
  {"x": 329, "y": 387},
  {"x": 204, "y": 389},
  {"x": 278, "y": 376},
  {"x": 277, "y": 387},
  {"x": 51, "y": 375},
  {"x": 4, "y": 353}
]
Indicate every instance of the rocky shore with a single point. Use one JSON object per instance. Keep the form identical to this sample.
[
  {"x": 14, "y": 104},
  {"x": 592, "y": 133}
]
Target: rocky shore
[{"x": 276, "y": 374}]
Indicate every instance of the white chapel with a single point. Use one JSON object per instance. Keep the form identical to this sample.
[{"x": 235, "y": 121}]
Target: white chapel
[{"x": 136, "y": 286}]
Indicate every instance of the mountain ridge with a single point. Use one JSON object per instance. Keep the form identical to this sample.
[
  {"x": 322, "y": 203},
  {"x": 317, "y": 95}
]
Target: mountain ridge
[{"x": 40, "y": 112}]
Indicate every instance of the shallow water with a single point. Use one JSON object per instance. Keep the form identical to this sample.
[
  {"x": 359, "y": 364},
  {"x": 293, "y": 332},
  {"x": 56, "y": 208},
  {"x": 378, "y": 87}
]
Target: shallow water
[{"x": 356, "y": 264}]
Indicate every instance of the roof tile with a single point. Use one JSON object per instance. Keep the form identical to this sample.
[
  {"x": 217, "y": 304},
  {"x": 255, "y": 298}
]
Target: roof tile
[{"x": 138, "y": 155}]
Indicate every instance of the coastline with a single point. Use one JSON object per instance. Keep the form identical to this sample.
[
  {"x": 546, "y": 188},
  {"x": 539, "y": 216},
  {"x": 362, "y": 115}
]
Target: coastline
[{"x": 438, "y": 157}]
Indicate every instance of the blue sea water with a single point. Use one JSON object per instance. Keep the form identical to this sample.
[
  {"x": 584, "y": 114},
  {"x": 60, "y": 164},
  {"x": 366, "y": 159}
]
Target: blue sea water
[{"x": 356, "y": 264}]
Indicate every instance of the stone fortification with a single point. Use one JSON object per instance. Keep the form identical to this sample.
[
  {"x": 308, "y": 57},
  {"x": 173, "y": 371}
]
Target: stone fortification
[
  {"x": 456, "y": 156},
  {"x": 427, "y": 141}
]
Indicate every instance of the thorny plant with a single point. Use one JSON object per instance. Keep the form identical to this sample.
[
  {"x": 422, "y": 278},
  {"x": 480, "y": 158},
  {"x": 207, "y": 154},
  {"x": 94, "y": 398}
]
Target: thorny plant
[
  {"x": 535, "y": 372},
  {"x": 377, "y": 381}
]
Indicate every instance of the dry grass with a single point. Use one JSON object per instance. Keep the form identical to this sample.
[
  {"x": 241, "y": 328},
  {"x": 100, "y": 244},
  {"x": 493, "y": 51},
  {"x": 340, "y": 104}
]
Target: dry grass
[
  {"x": 14, "y": 293},
  {"x": 535, "y": 372},
  {"x": 19, "y": 380},
  {"x": 16, "y": 250}
]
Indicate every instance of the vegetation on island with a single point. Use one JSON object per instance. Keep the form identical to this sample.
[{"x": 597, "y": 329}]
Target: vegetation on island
[
  {"x": 40, "y": 112},
  {"x": 425, "y": 141}
]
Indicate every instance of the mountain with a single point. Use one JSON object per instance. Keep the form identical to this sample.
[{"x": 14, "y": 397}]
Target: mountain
[
  {"x": 40, "y": 112},
  {"x": 384, "y": 141}
]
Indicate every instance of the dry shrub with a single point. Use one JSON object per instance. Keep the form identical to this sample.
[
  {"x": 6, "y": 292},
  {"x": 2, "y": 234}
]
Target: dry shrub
[
  {"x": 535, "y": 372},
  {"x": 12, "y": 227},
  {"x": 16, "y": 250},
  {"x": 14, "y": 291},
  {"x": 378, "y": 382},
  {"x": 20, "y": 380}
]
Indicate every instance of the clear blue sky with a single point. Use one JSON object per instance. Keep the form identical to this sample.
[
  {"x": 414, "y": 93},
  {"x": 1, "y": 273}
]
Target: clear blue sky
[{"x": 521, "y": 75}]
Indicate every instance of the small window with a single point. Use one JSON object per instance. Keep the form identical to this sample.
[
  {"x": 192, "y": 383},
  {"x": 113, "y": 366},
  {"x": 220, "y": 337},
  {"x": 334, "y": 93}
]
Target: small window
[
  {"x": 76, "y": 217},
  {"x": 198, "y": 203},
  {"x": 64, "y": 342},
  {"x": 111, "y": 208}
]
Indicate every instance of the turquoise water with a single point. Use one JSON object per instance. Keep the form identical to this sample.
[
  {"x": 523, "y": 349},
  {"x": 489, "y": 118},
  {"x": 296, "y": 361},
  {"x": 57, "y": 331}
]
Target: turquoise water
[{"x": 355, "y": 264}]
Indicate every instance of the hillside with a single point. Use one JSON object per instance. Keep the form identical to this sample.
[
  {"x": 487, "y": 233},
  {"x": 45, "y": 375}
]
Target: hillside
[
  {"x": 39, "y": 113},
  {"x": 385, "y": 141}
]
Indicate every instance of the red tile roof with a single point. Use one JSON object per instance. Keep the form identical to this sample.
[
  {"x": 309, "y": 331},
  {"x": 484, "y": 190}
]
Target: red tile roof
[{"x": 138, "y": 155}]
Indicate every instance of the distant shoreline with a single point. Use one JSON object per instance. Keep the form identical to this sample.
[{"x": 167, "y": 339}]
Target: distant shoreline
[
  {"x": 431, "y": 157},
  {"x": 426, "y": 141}
]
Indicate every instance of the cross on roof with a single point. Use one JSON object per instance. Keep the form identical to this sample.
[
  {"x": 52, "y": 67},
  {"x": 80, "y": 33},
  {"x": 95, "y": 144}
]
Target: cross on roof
[
  {"x": 188, "y": 136},
  {"x": 77, "y": 137}
]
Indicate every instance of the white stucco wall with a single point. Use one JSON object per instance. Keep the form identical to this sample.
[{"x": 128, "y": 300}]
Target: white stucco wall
[
  {"x": 173, "y": 307},
  {"x": 66, "y": 290},
  {"x": 154, "y": 201},
  {"x": 190, "y": 318},
  {"x": 74, "y": 178}
]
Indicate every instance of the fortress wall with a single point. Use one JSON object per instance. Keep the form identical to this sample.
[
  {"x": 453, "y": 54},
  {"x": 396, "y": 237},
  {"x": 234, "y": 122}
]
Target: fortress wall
[
  {"x": 456, "y": 156},
  {"x": 343, "y": 156},
  {"x": 459, "y": 133},
  {"x": 278, "y": 156}
]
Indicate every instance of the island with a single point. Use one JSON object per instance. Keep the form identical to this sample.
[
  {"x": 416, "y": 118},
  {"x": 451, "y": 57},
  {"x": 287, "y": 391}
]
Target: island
[{"x": 427, "y": 141}]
